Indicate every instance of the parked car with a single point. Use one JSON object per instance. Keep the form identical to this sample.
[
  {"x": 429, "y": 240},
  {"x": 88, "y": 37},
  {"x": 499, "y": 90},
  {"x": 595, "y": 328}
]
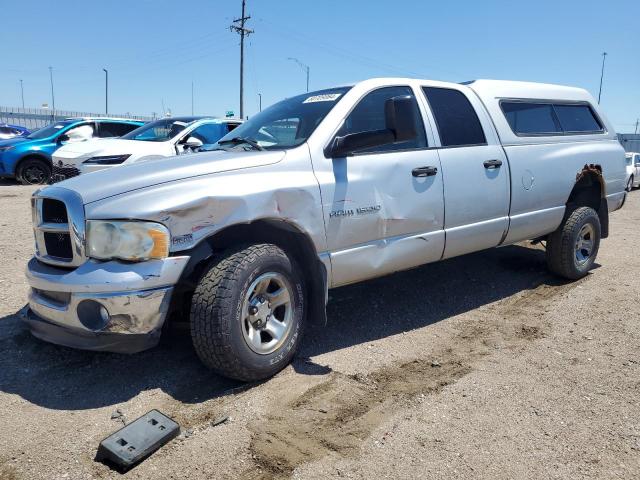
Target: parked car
[
  {"x": 633, "y": 170},
  {"x": 28, "y": 159},
  {"x": 163, "y": 138},
  {"x": 319, "y": 190},
  {"x": 12, "y": 131}
]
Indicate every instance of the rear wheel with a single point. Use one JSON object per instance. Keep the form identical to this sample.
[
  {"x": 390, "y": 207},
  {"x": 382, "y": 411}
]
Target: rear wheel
[
  {"x": 573, "y": 247},
  {"x": 247, "y": 313},
  {"x": 33, "y": 171}
]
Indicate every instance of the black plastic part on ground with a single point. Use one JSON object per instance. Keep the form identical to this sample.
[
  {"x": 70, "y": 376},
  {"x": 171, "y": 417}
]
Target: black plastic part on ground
[{"x": 135, "y": 442}]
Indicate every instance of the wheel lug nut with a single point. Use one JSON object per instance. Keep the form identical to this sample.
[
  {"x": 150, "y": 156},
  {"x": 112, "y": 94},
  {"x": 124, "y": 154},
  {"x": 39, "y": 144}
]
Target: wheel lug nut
[{"x": 253, "y": 310}]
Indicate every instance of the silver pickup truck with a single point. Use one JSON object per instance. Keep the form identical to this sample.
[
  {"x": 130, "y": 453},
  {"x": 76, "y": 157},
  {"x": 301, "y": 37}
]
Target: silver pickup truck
[{"x": 319, "y": 190}]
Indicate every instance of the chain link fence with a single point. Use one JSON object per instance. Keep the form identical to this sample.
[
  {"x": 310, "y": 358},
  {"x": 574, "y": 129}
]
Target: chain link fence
[{"x": 35, "y": 118}]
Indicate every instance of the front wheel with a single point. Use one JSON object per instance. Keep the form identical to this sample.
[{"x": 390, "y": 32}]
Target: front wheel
[
  {"x": 630, "y": 184},
  {"x": 247, "y": 313},
  {"x": 33, "y": 171},
  {"x": 573, "y": 247}
]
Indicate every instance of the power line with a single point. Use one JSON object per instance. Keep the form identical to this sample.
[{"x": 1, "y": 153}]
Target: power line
[{"x": 238, "y": 27}]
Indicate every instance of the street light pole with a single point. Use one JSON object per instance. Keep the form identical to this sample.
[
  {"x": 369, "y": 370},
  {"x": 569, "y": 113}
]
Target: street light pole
[
  {"x": 303, "y": 66},
  {"x": 106, "y": 91},
  {"x": 604, "y": 57},
  {"x": 260, "y": 97},
  {"x": 22, "y": 93},
  {"x": 53, "y": 98},
  {"x": 637, "y": 122}
]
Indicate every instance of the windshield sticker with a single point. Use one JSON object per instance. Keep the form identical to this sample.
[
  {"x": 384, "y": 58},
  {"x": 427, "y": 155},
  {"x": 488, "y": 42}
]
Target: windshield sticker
[{"x": 327, "y": 97}]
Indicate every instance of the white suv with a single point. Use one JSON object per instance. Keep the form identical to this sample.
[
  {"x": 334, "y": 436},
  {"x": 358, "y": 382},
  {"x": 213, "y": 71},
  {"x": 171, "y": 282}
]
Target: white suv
[{"x": 163, "y": 138}]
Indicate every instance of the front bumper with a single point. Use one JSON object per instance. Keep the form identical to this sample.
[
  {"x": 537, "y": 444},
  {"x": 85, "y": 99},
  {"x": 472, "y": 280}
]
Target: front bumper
[{"x": 106, "y": 306}]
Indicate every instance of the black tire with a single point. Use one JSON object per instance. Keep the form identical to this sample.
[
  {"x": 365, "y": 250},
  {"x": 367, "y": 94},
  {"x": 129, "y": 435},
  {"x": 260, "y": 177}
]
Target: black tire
[
  {"x": 217, "y": 324},
  {"x": 564, "y": 258},
  {"x": 630, "y": 184},
  {"x": 33, "y": 171}
]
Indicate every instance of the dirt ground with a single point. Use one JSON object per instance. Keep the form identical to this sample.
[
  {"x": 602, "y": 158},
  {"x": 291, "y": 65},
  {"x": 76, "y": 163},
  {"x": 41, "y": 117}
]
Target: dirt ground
[{"x": 483, "y": 366}]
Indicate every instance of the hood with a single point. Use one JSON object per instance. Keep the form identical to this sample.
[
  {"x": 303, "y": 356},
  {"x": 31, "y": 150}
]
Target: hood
[
  {"x": 15, "y": 141},
  {"x": 114, "y": 181},
  {"x": 108, "y": 146}
]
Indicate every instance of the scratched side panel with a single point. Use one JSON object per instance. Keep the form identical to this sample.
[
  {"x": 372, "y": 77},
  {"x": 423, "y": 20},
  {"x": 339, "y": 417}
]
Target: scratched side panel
[{"x": 197, "y": 207}]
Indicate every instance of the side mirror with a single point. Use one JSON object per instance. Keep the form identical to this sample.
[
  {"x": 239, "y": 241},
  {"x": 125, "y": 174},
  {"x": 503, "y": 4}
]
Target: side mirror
[
  {"x": 193, "y": 143},
  {"x": 400, "y": 114},
  {"x": 63, "y": 138}
]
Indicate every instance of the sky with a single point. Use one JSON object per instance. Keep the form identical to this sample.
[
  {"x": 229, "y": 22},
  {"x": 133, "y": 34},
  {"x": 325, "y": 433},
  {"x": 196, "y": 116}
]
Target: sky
[{"x": 155, "y": 49}]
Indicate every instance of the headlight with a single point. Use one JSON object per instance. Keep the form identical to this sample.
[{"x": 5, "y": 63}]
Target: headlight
[
  {"x": 108, "y": 160},
  {"x": 6, "y": 147},
  {"x": 127, "y": 240}
]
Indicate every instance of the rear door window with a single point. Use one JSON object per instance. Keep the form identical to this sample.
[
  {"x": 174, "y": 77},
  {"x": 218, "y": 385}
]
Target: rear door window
[
  {"x": 457, "y": 121},
  {"x": 114, "y": 129}
]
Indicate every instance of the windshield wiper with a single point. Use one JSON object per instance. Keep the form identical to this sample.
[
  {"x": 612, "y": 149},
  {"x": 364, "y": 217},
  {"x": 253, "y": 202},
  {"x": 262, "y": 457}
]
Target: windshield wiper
[{"x": 238, "y": 140}]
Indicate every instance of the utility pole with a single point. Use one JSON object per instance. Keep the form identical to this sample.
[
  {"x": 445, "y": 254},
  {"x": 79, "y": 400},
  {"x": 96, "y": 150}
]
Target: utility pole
[
  {"x": 260, "y": 101},
  {"x": 303, "y": 66},
  {"x": 238, "y": 27},
  {"x": 191, "y": 97},
  {"x": 106, "y": 91},
  {"x": 604, "y": 56},
  {"x": 637, "y": 122},
  {"x": 53, "y": 98},
  {"x": 22, "y": 93}
]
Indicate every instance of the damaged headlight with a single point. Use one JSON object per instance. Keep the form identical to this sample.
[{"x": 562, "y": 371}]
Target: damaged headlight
[{"x": 127, "y": 240}]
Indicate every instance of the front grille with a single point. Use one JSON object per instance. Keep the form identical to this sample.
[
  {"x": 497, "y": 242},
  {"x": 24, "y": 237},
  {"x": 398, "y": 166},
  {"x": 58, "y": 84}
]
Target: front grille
[
  {"x": 58, "y": 222},
  {"x": 58, "y": 245},
  {"x": 54, "y": 211},
  {"x": 62, "y": 173}
]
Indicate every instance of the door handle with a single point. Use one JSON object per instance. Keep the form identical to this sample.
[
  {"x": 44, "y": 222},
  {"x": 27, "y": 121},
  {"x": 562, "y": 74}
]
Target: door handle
[
  {"x": 490, "y": 164},
  {"x": 424, "y": 171}
]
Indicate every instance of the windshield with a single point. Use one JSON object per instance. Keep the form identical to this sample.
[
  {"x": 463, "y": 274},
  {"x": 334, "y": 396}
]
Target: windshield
[
  {"x": 158, "y": 131},
  {"x": 287, "y": 123},
  {"x": 50, "y": 130}
]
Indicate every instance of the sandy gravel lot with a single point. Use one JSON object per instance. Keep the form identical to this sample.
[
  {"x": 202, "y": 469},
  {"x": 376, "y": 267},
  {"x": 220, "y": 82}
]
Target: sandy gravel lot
[{"x": 484, "y": 366}]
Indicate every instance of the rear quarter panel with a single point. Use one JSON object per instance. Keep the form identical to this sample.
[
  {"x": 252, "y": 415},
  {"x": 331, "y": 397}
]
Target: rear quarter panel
[
  {"x": 544, "y": 168},
  {"x": 543, "y": 175}
]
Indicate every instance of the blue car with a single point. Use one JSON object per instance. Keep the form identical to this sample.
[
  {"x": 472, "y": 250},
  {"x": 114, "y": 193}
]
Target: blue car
[
  {"x": 11, "y": 131},
  {"x": 28, "y": 159}
]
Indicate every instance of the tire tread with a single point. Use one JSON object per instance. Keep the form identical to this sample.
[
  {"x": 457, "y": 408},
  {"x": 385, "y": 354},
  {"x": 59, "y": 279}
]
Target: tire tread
[
  {"x": 560, "y": 248},
  {"x": 211, "y": 309}
]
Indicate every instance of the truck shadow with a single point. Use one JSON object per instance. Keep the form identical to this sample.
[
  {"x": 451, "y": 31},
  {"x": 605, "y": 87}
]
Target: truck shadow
[{"x": 62, "y": 378}]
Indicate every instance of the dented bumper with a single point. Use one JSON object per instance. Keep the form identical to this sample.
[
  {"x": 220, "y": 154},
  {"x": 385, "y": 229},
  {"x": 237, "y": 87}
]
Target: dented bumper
[{"x": 106, "y": 306}]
